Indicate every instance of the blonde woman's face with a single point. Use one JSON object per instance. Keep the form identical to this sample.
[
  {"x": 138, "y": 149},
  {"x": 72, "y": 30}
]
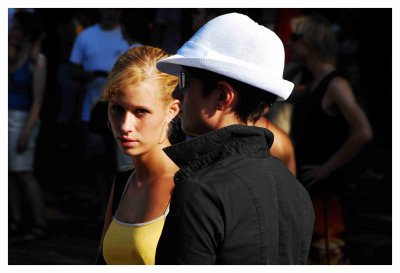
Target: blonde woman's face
[
  {"x": 298, "y": 48},
  {"x": 139, "y": 118}
]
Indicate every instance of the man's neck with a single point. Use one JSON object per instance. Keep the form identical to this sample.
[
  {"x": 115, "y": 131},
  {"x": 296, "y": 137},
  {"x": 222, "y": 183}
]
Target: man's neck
[{"x": 226, "y": 120}]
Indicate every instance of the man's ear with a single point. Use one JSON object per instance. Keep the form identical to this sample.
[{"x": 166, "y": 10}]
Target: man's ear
[
  {"x": 173, "y": 110},
  {"x": 226, "y": 95}
]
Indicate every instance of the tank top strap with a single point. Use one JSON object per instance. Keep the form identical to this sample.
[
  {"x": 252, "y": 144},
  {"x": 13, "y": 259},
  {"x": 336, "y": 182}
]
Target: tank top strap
[{"x": 323, "y": 84}]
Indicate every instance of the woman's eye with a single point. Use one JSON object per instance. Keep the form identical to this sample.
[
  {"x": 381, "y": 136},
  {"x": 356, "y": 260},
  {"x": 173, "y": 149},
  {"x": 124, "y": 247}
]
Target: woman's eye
[
  {"x": 117, "y": 109},
  {"x": 141, "y": 112}
]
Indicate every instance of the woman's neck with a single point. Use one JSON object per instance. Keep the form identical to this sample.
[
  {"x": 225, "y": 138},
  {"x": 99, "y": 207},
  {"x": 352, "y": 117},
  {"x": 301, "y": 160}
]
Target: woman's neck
[
  {"x": 153, "y": 165},
  {"x": 319, "y": 69}
]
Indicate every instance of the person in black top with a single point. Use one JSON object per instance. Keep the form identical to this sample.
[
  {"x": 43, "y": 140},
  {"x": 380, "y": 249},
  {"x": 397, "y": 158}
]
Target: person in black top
[
  {"x": 328, "y": 128},
  {"x": 233, "y": 203}
]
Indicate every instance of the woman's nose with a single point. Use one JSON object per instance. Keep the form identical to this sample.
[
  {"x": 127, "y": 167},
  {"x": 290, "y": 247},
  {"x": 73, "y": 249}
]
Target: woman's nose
[{"x": 128, "y": 123}]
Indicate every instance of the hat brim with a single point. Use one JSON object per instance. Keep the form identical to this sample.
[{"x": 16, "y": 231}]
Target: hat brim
[{"x": 238, "y": 71}]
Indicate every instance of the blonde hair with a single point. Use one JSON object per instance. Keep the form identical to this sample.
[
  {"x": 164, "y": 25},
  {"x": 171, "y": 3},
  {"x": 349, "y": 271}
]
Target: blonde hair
[
  {"x": 136, "y": 65},
  {"x": 318, "y": 34}
]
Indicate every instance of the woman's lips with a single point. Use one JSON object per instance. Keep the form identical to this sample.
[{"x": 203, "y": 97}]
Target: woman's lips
[{"x": 128, "y": 142}]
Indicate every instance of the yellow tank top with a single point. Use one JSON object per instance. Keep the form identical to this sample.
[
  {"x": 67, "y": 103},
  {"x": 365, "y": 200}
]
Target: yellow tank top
[{"x": 132, "y": 243}]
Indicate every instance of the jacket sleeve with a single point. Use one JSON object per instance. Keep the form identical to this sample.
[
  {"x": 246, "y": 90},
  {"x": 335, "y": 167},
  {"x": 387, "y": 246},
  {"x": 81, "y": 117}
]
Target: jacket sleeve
[{"x": 193, "y": 231}]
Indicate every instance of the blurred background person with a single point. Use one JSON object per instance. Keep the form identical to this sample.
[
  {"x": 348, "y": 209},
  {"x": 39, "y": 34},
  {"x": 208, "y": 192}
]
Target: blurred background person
[
  {"x": 94, "y": 52},
  {"x": 281, "y": 113},
  {"x": 329, "y": 128},
  {"x": 27, "y": 68},
  {"x": 69, "y": 89},
  {"x": 282, "y": 147},
  {"x": 200, "y": 16},
  {"x": 168, "y": 29},
  {"x": 136, "y": 26}
]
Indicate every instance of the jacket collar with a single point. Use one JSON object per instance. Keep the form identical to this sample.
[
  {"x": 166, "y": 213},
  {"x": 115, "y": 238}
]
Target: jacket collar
[{"x": 229, "y": 141}]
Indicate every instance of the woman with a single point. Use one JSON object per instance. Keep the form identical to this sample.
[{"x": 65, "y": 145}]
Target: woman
[
  {"x": 27, "y": 78},
  {"x": 140, "y": 111},
  {"x": 329, "y": 128}
]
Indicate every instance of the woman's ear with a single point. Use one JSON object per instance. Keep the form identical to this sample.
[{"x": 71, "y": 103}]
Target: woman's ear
[
  {"x": 226, "y": 95},
  {"x": 173, "y": 110}
]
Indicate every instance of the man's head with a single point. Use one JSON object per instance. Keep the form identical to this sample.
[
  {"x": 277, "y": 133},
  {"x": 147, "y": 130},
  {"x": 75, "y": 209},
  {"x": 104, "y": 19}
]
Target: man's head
[
  {"x": 233, "y": 67},
  {"x": 109, "y": 18},
  {"x": 210, "y": 101}
]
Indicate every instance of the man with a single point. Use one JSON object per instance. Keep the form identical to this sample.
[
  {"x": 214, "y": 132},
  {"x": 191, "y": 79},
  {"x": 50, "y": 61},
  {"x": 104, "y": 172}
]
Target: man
[
  {"x": 233, "y": 203},
  {"x": 94, "y": 53}
]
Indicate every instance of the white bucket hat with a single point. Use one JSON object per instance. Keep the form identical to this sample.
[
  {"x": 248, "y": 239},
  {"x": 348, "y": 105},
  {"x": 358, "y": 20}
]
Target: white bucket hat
[{"x": 235, "y": 46}]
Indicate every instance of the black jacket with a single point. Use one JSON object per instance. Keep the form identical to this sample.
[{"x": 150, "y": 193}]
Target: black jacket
[{"x": 234, "y": 203}]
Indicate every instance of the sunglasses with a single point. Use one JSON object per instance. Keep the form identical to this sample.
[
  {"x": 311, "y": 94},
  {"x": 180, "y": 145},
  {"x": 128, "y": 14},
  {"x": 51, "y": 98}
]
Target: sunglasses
[
  {"x": 192, "y": 73},
  {"x": 295, "y": 37},
  {"x": 182, "y": 80}
]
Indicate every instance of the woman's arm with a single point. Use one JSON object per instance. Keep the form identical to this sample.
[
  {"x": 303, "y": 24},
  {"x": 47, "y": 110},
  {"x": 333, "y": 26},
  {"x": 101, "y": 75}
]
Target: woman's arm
[{"x": 360, "y": 128}]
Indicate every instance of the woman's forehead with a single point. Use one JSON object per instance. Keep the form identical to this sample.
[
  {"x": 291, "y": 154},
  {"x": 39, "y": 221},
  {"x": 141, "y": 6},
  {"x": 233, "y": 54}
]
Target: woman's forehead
[{"x": 141, "y": 93}]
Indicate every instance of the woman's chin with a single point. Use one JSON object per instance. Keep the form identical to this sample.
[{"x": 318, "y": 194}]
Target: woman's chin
[{"x": 129, "y": 151}]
